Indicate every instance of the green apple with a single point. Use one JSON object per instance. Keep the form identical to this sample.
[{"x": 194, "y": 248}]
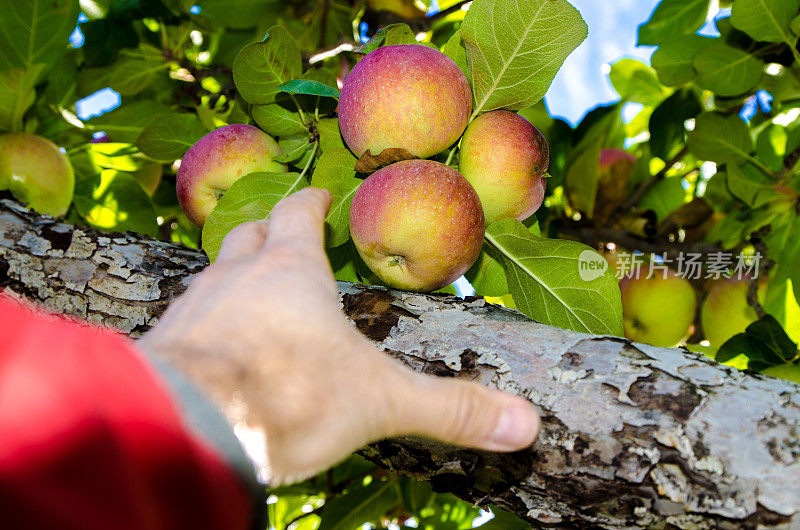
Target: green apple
[
  {"x": 725, "y": 311},
  {"x": 790, "y": 372},
  {"x": 409, "y": 97},
  {"x": 658, "y": 310},
  {"x": 417, "y": 224},
  {"x": 36, "y": 172},
  {"x": 504, "y": 157},
  {"x": 219, "y": 159}
]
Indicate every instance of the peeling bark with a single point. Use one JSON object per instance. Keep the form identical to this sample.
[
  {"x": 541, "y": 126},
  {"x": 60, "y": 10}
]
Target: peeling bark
[{"x": 633, "y": 436}]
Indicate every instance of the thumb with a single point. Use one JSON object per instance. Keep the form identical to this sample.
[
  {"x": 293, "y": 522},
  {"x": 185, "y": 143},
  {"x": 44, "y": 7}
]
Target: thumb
[{"x": 466, "y": 413}]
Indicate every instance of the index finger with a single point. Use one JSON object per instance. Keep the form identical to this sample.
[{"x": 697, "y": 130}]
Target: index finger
[{"x": 299, "y": 219}]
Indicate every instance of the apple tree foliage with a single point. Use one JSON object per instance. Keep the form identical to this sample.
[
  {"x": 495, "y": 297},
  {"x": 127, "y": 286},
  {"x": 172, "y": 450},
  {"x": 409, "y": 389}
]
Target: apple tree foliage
[{"x": 714, "y": 124}]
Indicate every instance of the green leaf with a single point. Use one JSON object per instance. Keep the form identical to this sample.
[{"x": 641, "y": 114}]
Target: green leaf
[
  {"x": 17, "y": 94},
  {"x": 671, "y": 19},
  {"x": 35, "y": 32},
  {"x": 674, "y": 58},
  {"x": 635, "y": 81},
  {"x": 359, "y": 506},
  {"x": 751, "y": 186},
  {"x": 126, "y": 122},
  {"x": 114, "y": 200},
  {"x": 544, "y": 276},
  {"x": 167, "y": 137},
  {"x": 727, "y": 71},
  {"x": 280, "y": 118},
  {"x": 515, "y": 47},
  {"x": 251, "y": 198},
  {"x": 307, "y": 86},
  {"x": 261, "y": 67},
  {"x": 416, "y": 495},
  {"x": 330, "y": 137},
  {"x": 335, "y": 172},
  {"x": 389, "y": 35},
  {"x": 765, "y": 20},
  {"x": 667, "y": 129},
  {"x": 665, "y": 197},
  {"x": 487, "y": 275},
  {"x": 132, "y": 75},
  {"x": 719, "y": 138},
  {"x": 454, "y": 48},
  {"x": 343, "y": 261},
  {"x": 771, "y": 146},
  {"x": 764, "y": 342}
]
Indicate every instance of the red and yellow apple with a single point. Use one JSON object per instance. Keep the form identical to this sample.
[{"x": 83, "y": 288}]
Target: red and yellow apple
[
  {"x": 504, "y": 157},
  {"x": 725, "y": 311},
  {"x": 658, "y": 310},
  {"x": 417, "y": 224},
  {"x": 407, "y": 96},
  {"x": 36, "y": 172},
  {"x": 219, "y": 159}
]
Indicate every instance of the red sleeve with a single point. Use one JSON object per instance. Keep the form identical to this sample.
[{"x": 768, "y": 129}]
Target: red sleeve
[{"x": 90, "y": 438}]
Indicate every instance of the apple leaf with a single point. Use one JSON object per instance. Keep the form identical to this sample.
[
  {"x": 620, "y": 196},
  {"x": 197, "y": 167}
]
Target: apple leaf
[
  {"x": 167, "y": 137},
  {"x": 34, "y": 33},
  {"x": 261, "y": 67},
  {"x": 335, "y": 172},
  {"x": 389, "y": 35},
  {"x": 635, "y": 81},
  {"x": 330, "y": 137},
  {"x": 765, "y": 20},
  {"x": 309, "y": 87},
  {"x": 750, "y": 185},
  {"x": 719, "y": 138},
  {"x": 251, "y": 198},
  {"x": 280, "y": 118},
  {"x": 487, "y": 275},
  {"x": 369, "y": 163},
  {"x": 358, "y": 505},
  {"x": 674, "y": 59},
  {"x": 17, "y": 94},
  {"x": 126, "y": 122},
  {"x": 764, "y": 342},
  {"x": 515, "y": 47},
  {"x": 114, "y": 200},
  {"x": 544, "y": 277},
  {"x": 343, "y": 260},
  {"x": 726, "y": 70},
  {"x": 671, "y": 19}
]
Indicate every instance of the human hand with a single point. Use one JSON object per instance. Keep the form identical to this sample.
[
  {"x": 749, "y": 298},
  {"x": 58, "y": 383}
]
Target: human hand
[{"x": 261, "y": 330}]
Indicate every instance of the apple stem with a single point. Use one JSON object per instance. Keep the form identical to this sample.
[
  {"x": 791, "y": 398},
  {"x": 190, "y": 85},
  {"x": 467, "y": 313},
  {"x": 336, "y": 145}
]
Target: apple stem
[
  {"x": 451, "y": 156},
  {"x": 299, "y": 110},
  {"x": 310, "y": 159}
]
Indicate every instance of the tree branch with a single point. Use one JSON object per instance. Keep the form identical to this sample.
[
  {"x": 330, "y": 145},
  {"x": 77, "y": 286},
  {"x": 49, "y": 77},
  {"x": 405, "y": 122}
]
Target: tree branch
[{"x": 633, "y": 436}]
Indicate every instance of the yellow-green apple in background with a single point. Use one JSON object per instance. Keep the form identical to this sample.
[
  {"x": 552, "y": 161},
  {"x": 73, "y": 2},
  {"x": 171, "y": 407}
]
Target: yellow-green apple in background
[
  {"x": 725, "y": 311},
  {"x": 504, "y": 157},
  {"x": 417, "y": 224},
  {"x": 658, "y": 310},
  {"x": 36, "y": 172},
  {"x": 409, "y": 97},
  {"x": 218, "y": 160}
]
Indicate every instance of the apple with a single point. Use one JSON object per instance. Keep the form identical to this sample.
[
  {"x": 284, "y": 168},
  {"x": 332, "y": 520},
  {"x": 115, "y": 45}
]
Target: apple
[
  {"x": 725, "y": 311},
  {"x": 406, "y": 96},
  {"x": 218, "y": 160},
  {"x": 417, "y": 224},
  {"x": 790, "y": 372},
  {"x": 659, "y": 310},
  {"x": 504, "y": 157},
  {"x": 36, "y": 172}
]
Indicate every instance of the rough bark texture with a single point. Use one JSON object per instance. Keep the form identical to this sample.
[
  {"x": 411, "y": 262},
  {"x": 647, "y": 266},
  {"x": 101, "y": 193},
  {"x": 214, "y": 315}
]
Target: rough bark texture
[{"x": 633, "y": 436}]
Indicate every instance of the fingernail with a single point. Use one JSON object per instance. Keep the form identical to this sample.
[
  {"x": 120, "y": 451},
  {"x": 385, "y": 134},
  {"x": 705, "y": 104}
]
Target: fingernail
[{"x": 516, "y": 428}]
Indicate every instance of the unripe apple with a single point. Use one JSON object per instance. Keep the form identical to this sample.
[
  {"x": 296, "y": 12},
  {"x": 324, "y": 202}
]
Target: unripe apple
[
  {"x": 659, "y": 310},
  {"x": 408, "y": 96},
  {"x": 417, "y": 224},
  {"x": 36, "y": 172},
  {"x": 504, "y": 157},
  {"x": 725, "y": 311},
  {"x": 218, "y": 160}
]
